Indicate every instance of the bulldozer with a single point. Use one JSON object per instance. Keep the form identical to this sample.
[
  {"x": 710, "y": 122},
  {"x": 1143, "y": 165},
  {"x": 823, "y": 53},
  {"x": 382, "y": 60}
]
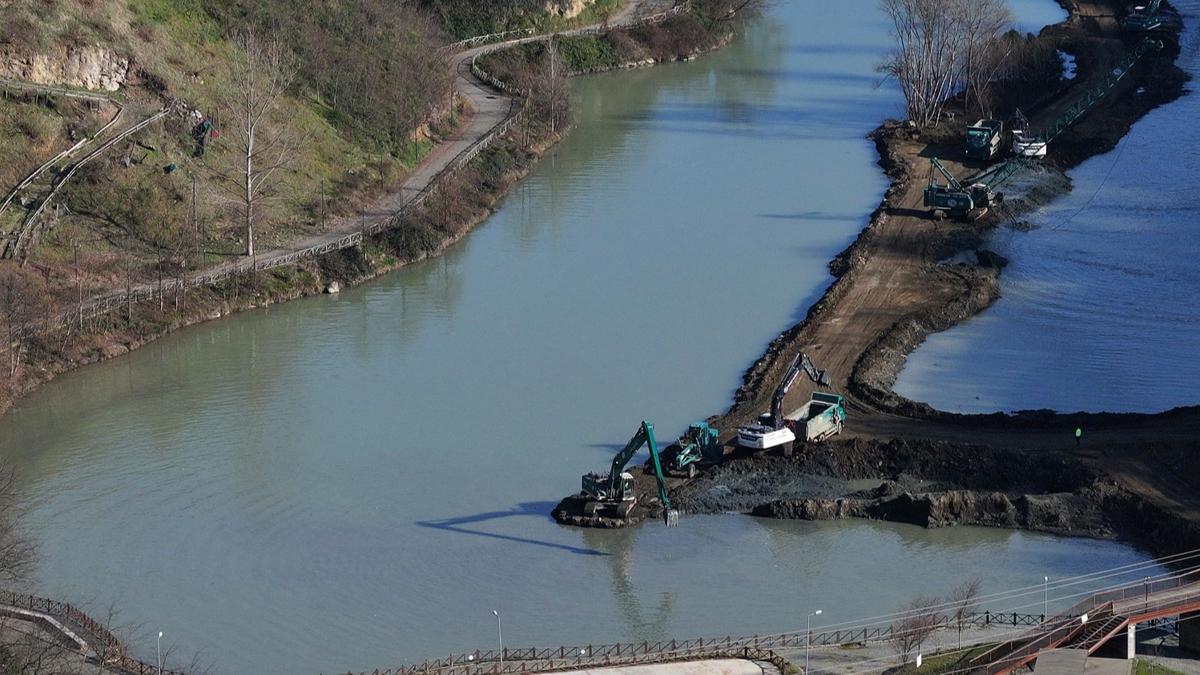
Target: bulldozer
[{"x": 613, "y": 494}]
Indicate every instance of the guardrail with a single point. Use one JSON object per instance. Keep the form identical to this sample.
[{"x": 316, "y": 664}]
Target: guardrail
[
  {"x": 534, "y": 659},
  {"x": 1012, "y": 653},
  {"x": 108, "y": 647}
]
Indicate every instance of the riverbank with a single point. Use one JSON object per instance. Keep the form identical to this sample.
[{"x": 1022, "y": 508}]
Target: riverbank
[
  {"x": 901, "y": 280},
  {"x": 464, "y": 197}
]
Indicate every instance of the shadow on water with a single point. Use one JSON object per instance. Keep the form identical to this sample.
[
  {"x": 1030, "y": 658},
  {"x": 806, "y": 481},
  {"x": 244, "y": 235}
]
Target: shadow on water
[{"x": 540, "y": 510}]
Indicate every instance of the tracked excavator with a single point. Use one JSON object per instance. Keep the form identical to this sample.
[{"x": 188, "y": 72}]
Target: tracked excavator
[
  {"x": 700, "y": 441},
  {"x": 772, "y": 429},
  {"x": 969, "y": 198},
  {"x": 1144, "y": 17},
  {"x": 612, "y": 494}
]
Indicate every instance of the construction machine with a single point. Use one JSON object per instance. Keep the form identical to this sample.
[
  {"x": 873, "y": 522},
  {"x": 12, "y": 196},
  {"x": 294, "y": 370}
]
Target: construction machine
[
  {"x": 970, "y": 198},
  {"x": 613, "y": 494},
  {"x": 700, "y": 441},
  {"x": 772, "y": 430},
  {"x": 1028, "y": 144},
  {"x": 1151, "y": 16},
  {"x": 983, "y": 139}
]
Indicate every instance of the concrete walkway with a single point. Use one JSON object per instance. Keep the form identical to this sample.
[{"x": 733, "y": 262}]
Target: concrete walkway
[{"x": 707, "y": 667}]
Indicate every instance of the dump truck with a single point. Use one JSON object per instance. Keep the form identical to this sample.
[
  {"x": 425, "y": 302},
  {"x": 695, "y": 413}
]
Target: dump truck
[
  {"x": 820, "y": 418},
  {"x": 983, "y": 139}
]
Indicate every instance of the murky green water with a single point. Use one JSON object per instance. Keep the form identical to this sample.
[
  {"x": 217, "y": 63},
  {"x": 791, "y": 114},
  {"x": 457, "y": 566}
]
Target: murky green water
[{"x": 358, "y": 481}]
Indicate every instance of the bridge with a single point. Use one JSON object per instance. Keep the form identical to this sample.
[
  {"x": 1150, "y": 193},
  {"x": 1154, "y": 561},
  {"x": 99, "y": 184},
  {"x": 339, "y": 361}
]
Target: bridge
[{"x": 1102, "y": 618}]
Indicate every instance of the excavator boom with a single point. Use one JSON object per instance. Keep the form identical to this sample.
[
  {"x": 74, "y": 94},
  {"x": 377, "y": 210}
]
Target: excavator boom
[{"x": 611, "y": 489}]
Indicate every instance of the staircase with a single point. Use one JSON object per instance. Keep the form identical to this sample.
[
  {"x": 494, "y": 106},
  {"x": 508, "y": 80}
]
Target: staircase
[{"x": 1096, "y": 633}]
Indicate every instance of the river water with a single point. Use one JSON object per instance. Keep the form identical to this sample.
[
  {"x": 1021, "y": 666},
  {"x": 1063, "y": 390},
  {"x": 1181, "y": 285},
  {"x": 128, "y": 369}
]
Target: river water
[
  {"x": 357, "y": 481},
  {"x": 1098, "y": 308}
]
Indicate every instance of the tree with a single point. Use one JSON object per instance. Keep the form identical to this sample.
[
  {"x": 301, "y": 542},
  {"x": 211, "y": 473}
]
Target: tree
[
  {"x": 918, "y": 621},
  {"x": 962, "y": 602},
  {"x": 24, "y": 302},
  {"x": 261, "y": 141},
  {"x": 984, "y": 22},
  {"x": 943, "y": 47}
]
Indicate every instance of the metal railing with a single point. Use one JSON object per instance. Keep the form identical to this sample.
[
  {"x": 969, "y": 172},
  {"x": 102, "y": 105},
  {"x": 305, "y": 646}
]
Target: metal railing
[
  {"x": 534, "y": 659},
  {"x": 108, "y": 647},
  {"x": 1013, "y": 653}
]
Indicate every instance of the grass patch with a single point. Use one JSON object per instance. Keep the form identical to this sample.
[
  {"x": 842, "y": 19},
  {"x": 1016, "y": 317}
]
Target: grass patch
[
  {"x": 935, "y": 664},
  {"x": 1144, "y": 667}
]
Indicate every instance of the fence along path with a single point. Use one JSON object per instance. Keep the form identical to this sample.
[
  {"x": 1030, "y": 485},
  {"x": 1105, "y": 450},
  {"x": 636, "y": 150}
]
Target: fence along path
[
  {"x": 534, "y": 659},
  {"x": 109, "y": 649},
  {"x": 505, "y": 113}
]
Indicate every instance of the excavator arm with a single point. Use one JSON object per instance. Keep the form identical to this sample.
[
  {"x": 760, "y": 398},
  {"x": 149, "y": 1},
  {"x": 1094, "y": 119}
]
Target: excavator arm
[
  {"x": 670, "y": 516},
  {"x": 800, "y": 364},
  {"x": 953, "y": 182},
  {"x": 644, "y": 434}
]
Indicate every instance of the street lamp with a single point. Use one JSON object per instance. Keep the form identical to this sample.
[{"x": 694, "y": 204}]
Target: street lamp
[
  {"x": 159, "y": 653},
  {"x": 500, "y": 637},
  {"x": 808, "y": 639},
  {"x": 1045, "y": 597}
]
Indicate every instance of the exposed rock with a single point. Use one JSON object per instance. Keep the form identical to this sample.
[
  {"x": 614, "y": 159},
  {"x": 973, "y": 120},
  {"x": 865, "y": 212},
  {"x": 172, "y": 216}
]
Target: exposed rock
[
  {"x": 88, "y": 67},
  {"x": 568, "y": 9},
  {"x": 333, "y": 288}
]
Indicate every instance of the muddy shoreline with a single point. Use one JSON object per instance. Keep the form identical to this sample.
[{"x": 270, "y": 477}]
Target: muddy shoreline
[{"x": 1129, "y": 486}]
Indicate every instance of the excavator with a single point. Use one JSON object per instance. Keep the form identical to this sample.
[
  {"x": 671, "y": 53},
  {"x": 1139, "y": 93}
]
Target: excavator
[
  {"x": 1151, "y": 16},
  {"x": 970, "y": 198},
  {"x": 700, "y": 441},
  {"x": 772, "y": 429},
  {"x": 614, "y": 491}
]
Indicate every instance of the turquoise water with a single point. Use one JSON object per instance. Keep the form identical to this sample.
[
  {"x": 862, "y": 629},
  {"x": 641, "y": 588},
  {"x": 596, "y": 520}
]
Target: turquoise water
[{"x": 357, "y": 481}]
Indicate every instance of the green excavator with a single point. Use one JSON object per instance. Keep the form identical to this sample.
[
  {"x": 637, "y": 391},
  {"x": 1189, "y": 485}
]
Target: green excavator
[
  {"x": 700, "y": 441},
  {"x": 613, "y": 493},
  {"x": 971, "y": 197},
  {"x": 1151, "y": 17}
]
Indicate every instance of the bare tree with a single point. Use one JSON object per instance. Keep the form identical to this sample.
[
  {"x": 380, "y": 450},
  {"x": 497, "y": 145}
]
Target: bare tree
[
  {"x": 984, "y": 21},
  {"x": 24, "y": 301},
  {"x": 549, "y": 93},
  {"x": 918, "y": 621},
  {"x": 963, "y": 601},
  {"x": 261, "y": 139},
  {"x": 942, "y": 47}
]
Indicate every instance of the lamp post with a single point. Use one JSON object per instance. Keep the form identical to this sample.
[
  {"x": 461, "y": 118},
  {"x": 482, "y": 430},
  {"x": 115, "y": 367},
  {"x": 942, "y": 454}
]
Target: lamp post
[
  {"x": 158, "y": 653},
  {"x": 500, "y": 637},
  {"x": 1045, "y": 597},
  {"x": 808, "y": 639}
]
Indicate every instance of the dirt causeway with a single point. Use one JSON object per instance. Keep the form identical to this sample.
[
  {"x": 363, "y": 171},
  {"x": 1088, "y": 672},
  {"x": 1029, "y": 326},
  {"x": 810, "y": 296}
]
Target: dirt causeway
[{"x": 1131, "y": 479}]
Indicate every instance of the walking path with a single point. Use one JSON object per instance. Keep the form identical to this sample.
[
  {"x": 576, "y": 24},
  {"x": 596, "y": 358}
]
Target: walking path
[{"x": 494, "y": 112}]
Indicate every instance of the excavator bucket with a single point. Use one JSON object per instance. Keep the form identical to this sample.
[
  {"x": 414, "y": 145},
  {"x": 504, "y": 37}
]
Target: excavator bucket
[
  {"x": 671, "y": 517},
  {"x": 824, "y": 378}
]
